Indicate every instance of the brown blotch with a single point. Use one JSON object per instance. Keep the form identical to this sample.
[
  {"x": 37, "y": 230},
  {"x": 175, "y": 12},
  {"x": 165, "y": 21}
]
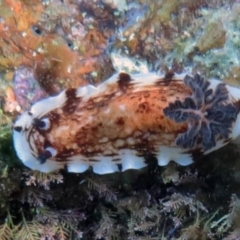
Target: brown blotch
[
  {"x": 94, "y": 128},
  {"x": 124, "y": 80},
  {"x": 237, "y": 105},
  {"x": 169, "y": 75},
  {"x": 70, "y": 93},
  {"x": 163, "y": 99},
  {"x": 71, "y": 102},
  {"x": 120, "y": 121},
  {"x": 146, "y": 95},
  {"x": 143, "y": 107}
]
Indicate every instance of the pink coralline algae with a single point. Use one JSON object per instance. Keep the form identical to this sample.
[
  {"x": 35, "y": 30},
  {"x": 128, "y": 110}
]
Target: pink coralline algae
[{"x": 26, "y": 88}]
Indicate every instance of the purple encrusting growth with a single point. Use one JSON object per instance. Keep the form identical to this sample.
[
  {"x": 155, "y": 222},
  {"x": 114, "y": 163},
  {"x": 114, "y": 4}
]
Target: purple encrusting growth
[
  {"x": 26, "y": 88},
  {"x": 205, "y": 112}
]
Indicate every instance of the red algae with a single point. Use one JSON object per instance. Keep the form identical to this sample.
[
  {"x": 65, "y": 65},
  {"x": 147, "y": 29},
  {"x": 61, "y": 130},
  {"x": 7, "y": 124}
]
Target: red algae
[
  {"x": 44, "y": 38},
  {"x": 26, "y": 88}
]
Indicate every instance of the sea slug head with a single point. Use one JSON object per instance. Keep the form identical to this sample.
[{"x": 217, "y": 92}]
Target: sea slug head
[
  {"x": 32, "y": 131},
  {"x": 28, "y": 141}
]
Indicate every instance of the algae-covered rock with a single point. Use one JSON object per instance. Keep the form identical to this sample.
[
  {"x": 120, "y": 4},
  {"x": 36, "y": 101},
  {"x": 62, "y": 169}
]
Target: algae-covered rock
[
  {"x": 74, "y": 43},
  {"x": 214, "y": 36}
]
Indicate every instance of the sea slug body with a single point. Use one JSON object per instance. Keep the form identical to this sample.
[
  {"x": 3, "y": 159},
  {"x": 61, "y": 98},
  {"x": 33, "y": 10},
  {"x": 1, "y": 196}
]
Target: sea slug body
[{"x": 127, "y": 120}]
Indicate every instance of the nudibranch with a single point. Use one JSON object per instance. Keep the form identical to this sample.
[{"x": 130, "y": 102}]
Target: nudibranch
[{"x": 128, "y": 121}]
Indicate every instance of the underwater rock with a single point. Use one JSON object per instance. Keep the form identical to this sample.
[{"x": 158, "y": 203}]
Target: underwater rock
[
  {"x": 213, "y": 37},
  {"x": 26, "y": 88}
]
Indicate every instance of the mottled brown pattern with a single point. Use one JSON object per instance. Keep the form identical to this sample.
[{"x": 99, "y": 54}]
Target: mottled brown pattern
[
  {"x": 143, "y": 108},
  {"x": 111, "y": 121}
]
